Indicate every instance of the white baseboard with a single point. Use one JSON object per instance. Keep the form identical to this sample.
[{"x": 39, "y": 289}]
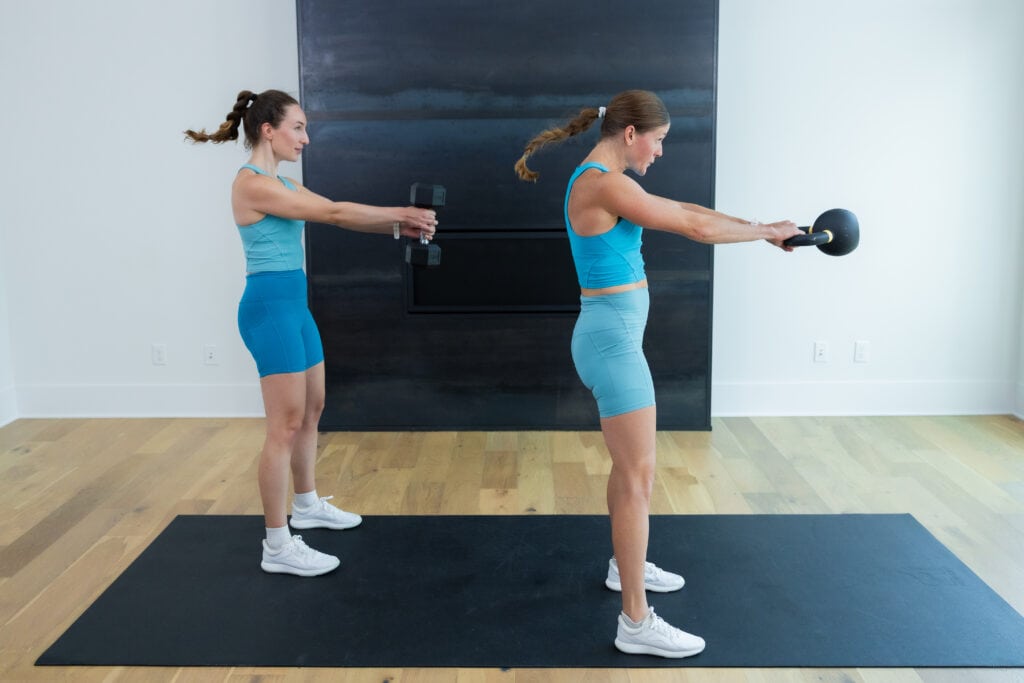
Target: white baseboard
[
  {"x": 168, "y": 400},
  {"x": 1019, "y": 404},
  {"x": 8, "y": 405},
  {"x": 728, "y": 400},
  {"x": 865, "y": 398}
]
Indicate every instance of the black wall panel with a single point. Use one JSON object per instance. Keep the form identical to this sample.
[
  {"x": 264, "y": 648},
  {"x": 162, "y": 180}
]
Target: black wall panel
[{"x": 448, "y": 92}]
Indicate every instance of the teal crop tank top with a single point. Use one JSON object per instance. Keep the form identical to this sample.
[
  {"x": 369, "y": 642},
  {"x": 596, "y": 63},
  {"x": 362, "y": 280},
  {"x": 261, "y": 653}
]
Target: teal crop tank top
[
  {"x": 272, "y": 243},
  {"x": 611, "y": 258}
]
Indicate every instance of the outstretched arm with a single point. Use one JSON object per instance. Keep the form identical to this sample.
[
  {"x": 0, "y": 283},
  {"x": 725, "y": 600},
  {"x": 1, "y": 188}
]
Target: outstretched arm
[
  {"x": 623, "y": 196},
  {"x": 262, "y": 195}
]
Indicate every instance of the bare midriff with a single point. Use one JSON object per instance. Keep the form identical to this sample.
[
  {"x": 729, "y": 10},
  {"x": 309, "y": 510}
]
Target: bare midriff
[{"x": 642, "y": 284}]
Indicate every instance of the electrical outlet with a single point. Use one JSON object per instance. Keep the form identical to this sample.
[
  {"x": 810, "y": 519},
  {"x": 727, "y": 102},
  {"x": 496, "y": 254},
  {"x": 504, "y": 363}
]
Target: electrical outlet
[
  {"x": 820, "y": 352},
  {"x": 158, "y": 352},
  {"x": 210, "y": 354},
  {"x": 861, "y": 351}
]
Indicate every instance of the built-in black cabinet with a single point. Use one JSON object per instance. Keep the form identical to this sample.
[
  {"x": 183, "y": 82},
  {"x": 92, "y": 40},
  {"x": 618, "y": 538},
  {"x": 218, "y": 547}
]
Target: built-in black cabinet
[{"x": 448, "y": 92}]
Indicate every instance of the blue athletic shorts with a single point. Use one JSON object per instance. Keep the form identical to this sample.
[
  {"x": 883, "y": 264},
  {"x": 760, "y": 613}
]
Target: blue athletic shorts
[
  {"x": 276, "y": 325},
  {"x": 607, "y": 348}
]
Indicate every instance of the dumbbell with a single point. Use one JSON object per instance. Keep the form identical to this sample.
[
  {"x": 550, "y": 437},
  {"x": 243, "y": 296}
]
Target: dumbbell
[
  {"x": 423, "y": 254},
  {"x": 836, "y": 232}
]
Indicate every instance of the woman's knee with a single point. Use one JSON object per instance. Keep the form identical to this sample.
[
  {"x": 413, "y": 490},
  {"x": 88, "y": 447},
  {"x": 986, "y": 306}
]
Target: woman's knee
[
  {"x": 314, "y": 409},
  {"x": 635, "y": 478},
  {"x": 285, "y": 426},
  {"x": 315, "y": 395}
]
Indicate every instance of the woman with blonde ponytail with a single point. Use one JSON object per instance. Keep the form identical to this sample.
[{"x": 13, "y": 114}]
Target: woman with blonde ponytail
[
  {"x": 604, "y": 210},
  {"x": 274, "y": 319}
]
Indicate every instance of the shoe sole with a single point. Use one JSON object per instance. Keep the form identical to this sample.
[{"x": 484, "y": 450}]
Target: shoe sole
[
  {"x": 274, "y": 568},
  {"x": 635, "y": 649},
  {"x": 617, "y": 587},
  {"x": 316, "y": 524}
]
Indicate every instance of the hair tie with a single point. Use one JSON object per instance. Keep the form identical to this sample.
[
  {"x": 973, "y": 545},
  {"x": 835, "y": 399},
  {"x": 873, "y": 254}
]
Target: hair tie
[
  {"x": 600, "y": 112},
  {"x": 252, "y": 98}
]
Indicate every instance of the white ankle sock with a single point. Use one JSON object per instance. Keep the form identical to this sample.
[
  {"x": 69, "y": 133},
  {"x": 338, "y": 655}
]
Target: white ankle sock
[
  {"x": 304, "y": 500},
  {"x": 630, "y": 622},
  {"x": 277, "y": 538}
]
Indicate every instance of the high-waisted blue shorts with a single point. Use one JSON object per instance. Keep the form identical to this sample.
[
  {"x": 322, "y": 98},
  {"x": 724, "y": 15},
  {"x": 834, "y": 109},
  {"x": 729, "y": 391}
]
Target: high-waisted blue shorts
[
  {"x": 607, "y": 348},
  {"x": 276, "y": 325}
]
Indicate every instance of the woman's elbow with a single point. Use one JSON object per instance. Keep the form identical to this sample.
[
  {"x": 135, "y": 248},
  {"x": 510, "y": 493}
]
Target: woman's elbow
[
  {"x": 336, "y": 214},
  {"x": 701, "y": 230}
]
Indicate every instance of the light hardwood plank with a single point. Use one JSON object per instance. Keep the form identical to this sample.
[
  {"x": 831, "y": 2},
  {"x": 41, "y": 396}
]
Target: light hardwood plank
[{"x": 80, "y": 499}]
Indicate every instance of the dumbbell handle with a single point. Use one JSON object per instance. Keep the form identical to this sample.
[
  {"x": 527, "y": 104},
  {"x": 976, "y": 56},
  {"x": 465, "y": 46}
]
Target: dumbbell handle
[
  {"x": 420, "y": 205},
  {"x": 809, "y": 239}
]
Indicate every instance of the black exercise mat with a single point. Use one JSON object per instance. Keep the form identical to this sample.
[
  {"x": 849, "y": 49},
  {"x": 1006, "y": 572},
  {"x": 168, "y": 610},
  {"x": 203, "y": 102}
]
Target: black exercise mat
[{"x": 528, "y": 591}]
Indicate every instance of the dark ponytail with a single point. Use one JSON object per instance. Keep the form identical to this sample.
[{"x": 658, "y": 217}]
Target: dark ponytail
[
  {"x": 641, "y": 109},
  {"x": 250, "y": 112},
  {"x": 581, "y": 123}
]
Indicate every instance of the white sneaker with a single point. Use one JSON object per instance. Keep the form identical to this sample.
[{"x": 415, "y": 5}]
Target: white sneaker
[
  {"x": 655, "y": 579},
  {"x": 654, "y": 636},
  {"x": 323, "y": 515},
  {"x": 295, "y": 557}
]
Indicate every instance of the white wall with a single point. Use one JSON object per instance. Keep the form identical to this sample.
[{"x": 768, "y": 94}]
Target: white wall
[
  {"x": 114, "y": 234},
  {"x": 907, "y": 113},
  {"x": 1019, "y": 403},
  {"x": 8, "y": 404},
  {"x": 119, "y": 233},
  {"x": 8, "y": 398}
]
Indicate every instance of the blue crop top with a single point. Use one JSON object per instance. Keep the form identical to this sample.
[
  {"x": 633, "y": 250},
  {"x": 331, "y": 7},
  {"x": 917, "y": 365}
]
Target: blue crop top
[
  {"x": 272, "y": 243},
  {"x": 611, "y": 258}
]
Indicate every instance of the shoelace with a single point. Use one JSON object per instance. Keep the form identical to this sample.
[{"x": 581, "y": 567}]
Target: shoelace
[
  {"x": 319, "y": 505},
  {"x": 652, "y": 571},
  {"x": 330, "y": 510},
  {"x": 660, "y": 626},
  {"x": 301, "y": 548}
]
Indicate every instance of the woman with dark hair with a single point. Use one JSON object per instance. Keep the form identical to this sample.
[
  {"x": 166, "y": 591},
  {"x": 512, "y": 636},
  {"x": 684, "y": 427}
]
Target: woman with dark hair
[
  {"x": 603, "y": 211},
  {"x": 275, "y": 321}
]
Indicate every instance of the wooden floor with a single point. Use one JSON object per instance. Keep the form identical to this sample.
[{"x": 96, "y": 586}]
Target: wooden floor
[{"x": 80, "y": 499}]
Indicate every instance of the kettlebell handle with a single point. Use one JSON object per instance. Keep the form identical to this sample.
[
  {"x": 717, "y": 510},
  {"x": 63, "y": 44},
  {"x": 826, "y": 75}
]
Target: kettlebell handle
[
  {"x": 809, "y": 239},
  {"x": 835, "y": 232}
]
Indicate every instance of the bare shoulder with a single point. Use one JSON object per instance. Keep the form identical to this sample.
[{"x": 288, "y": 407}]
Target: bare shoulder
[
  {"x": 250, "y": 184},
  {"x": 613, "y": 192},
  {"x": 620, "y": 182},
  {"x": 598, "y": 185},
  {"x": 246, "y": 177},
  {"x": 592, "y": 202}
]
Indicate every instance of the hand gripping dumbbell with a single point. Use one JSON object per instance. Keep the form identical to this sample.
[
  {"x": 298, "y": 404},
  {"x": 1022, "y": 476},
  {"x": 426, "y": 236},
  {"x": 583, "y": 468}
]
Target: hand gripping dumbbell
[
  {"x": 836, "y": 232},
  {"x": 423, "y": 254}
]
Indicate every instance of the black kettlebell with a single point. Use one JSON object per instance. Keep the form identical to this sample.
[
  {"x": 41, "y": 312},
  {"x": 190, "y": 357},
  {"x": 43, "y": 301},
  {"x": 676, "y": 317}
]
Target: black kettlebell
[{"x": 836, "y": 232}]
